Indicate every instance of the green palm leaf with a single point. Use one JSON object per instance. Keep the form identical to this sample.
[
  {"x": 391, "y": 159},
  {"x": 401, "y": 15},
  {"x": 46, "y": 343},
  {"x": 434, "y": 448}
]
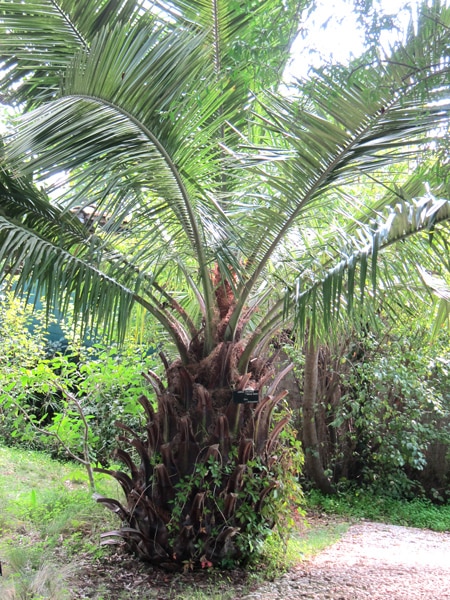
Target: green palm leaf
[
  {"x": 381, "y": 115},
  {"x": 340, "y": 283},
  {"x": 40, "y": 37}
]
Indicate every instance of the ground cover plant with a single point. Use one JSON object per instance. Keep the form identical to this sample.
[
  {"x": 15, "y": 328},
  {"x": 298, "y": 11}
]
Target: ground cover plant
[
  {"x": 66, "y": 402},
  {"x": 229, "y": 212},
  {"x": 46, "y": 519}
]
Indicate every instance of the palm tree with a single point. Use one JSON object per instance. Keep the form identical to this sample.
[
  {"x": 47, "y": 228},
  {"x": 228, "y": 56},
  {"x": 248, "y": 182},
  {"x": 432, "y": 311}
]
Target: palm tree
[{"x": 224, "y": 209}]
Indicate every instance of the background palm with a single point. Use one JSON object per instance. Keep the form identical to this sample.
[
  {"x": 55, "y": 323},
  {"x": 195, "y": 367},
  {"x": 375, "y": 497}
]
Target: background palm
[{"x": 169, "y": 121}]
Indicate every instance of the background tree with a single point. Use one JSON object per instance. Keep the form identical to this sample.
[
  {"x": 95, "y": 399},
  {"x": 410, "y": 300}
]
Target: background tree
[{"x": 206, "y": 186}]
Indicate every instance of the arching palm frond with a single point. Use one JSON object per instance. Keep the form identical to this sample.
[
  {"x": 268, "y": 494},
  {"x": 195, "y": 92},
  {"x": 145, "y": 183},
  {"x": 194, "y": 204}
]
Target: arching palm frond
[
  {"x": 40, "y": 36},
  {"x": 46, "y": 250},
  {"x": 339, "y": 277},
  {"x": 59, "y": 261},
  {"x": 24, "y": 204},
  {"x": 319, "y": 302},
  {"x": 381, "y": 115},
  {"x": 135, "y": 126}
]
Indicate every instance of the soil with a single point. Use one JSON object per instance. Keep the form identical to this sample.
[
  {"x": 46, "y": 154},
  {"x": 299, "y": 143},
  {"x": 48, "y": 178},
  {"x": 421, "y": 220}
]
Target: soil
[{"x": 371, "y": 561}]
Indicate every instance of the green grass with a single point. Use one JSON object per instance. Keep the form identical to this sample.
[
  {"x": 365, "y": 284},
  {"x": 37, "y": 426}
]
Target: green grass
[
  {"x": 45, "y": 495},
  {"x": 47, "y": 517},
  {"x": 305, "y": 541},
  {"x": 419, "y": 512},
  {"x": 317, "y": 538}
]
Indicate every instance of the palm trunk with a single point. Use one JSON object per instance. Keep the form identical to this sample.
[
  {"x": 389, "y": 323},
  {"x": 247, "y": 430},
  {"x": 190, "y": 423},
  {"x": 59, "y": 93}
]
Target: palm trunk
[
  {"x": 205, "y": 463},
  {"x": 313, "y": 462}
]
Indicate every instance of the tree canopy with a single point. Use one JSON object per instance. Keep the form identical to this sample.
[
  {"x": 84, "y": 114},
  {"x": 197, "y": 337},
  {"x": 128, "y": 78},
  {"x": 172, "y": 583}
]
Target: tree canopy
[{"x": 165, "y": 115}]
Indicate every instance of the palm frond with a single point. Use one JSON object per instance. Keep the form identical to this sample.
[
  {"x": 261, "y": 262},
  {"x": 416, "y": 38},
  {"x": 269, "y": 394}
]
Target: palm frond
[
  {"x": 38, "y": 39},
  {"x": 249, "y": 41},
  {"x": 381, "y": 115},
  {"x": 318, "y": 304},
  {"x": 128, "y": 107},
  {"x": 62, "y": 277},
  {"x": 24, "y": 204}
]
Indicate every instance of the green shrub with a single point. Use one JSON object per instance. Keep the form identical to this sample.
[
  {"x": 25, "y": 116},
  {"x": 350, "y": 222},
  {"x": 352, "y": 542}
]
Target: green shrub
[
  {"x": 395, "y": 398},
  {"x": 35, "y": 406}
]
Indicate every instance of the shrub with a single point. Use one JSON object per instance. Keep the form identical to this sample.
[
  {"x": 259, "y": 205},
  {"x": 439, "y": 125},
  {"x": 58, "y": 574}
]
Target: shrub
[
  {"x": 35, "y": 409},
  {"x": 395, "y": 402}
]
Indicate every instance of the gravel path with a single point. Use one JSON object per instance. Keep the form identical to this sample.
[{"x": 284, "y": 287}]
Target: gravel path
[{"x": 372, "y": 561}]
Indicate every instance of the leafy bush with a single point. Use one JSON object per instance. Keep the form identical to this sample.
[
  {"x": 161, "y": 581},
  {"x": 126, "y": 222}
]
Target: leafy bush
[
  {"x": 35, "y": 389},
  {"x": 383, "y": 408},
  {"x": 395, "y": 405}
]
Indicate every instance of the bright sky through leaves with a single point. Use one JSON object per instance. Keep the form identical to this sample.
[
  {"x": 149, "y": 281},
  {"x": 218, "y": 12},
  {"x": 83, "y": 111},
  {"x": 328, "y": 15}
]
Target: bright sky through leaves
[{"x": 333, "y": 34}]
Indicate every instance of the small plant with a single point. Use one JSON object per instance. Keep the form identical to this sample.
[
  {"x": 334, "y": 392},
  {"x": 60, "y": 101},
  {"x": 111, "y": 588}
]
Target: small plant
[{"x": 31, "y": 576}]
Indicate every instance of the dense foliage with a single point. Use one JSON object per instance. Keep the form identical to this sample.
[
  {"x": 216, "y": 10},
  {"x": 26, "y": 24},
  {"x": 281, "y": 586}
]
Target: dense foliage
[
  {"x": 396, "y": 406},
  {"x": 383, "y": 408},
  {"x": 37, "y": 383}
]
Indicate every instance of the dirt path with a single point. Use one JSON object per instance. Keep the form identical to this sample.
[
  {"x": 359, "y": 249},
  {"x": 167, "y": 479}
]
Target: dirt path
[{"x": 372, "y": 561}]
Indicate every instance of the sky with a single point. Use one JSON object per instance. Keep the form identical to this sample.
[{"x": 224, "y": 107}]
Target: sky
[{"x": 333, "y": 33}]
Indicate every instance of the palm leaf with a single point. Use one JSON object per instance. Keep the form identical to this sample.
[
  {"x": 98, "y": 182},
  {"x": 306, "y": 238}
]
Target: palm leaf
[
  {"x": 377, "y": 115},
  {"x": 403, "y": 220},
  {"x": 35, "y": 28}
]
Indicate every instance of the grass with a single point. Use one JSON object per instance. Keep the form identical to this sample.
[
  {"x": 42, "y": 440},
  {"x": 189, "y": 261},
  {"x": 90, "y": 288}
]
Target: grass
[
  {"x": 418, "y": 512},
  {"x": 40, "y": 493},
  {"x": 316, "y": 539},
  {"x": 33, "y": 577},
  {"x": 47, "y": 517}
]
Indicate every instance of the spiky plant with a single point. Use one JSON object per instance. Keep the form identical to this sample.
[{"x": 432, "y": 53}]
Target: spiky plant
[{"x": 197, "y": 494}]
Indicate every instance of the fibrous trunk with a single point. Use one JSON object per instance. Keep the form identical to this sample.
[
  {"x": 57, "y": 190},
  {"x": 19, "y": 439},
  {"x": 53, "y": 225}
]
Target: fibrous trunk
[{"x": 206, "y": 468}]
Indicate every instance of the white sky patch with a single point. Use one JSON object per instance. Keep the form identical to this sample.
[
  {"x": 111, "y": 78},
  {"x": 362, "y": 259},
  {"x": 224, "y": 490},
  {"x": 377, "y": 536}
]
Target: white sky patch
[{"x": 333, "y": 34}]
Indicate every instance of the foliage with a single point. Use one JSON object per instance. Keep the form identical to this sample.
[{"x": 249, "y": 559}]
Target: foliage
[
  {"x": 394, "y": 408},
  {"x": 38, "y": 391},
  {"x": 383, "y": 407},
  {"x": 294, "y": 155},
  {"x": 396, "y": 405}
]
